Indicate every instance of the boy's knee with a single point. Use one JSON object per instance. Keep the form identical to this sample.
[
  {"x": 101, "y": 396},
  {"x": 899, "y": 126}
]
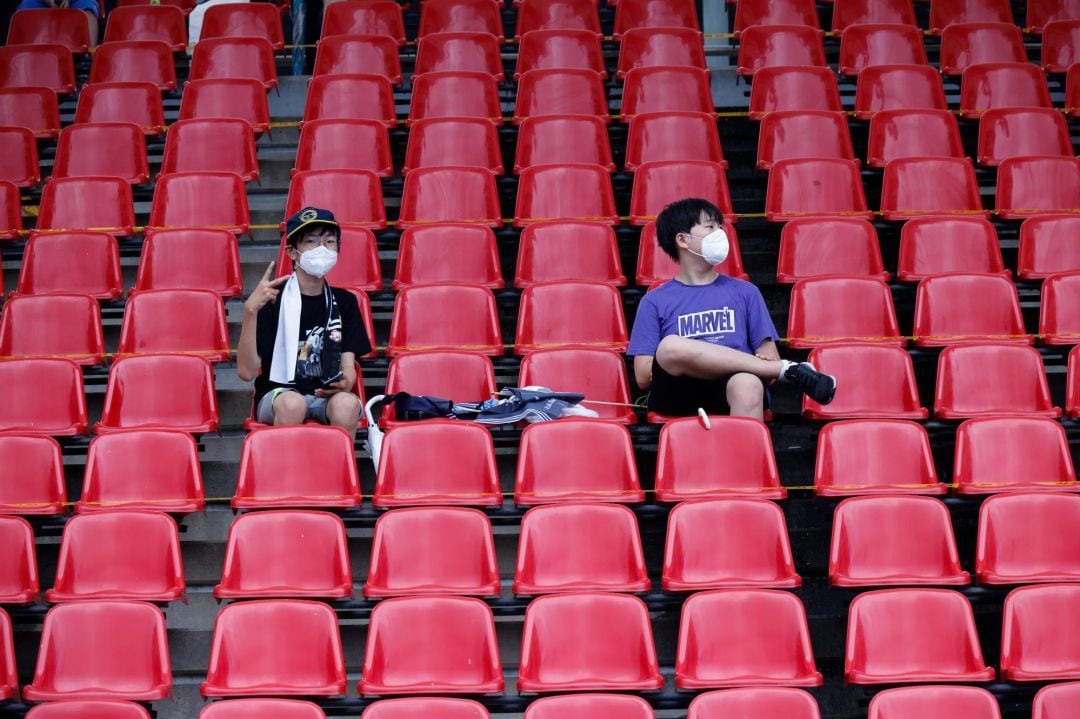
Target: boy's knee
[
  {"x": 671, "y": 354},
  {"x": 289, "y": 408},
  {"x": 343, "y": 410},
  {"x": 745, "y": 390}
]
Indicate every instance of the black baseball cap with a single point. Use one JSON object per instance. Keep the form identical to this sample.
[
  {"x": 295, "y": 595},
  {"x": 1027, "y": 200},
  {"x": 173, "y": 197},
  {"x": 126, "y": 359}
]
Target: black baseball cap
[{"x": 307, "y": 217}]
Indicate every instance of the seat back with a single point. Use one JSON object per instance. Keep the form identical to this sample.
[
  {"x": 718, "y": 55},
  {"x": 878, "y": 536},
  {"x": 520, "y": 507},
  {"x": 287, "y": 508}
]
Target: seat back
[
  {"x": 825, "y": 310},
  {"x": 451, "y": 141},
  {"x": 593, "y": 462},
  {"x": 778, "y": 46},
  {"x": 160, "y": 391},
  {"x": 1037, "y": 186},
  {"x": 996, "y": 454},
  {"x": 200, "y": 199},
  {"x": 688, "y": 454},
  {"x": 454, "y": 375},
  {"x": 1002, "y": 84},
  {"x": 861, "y": 12},
  {"x": 365, "y": 17},
  {"x": 785, "y": 135},
  {"x": 297, "y": 466},
  {"x": 252, "y": 20},
  {"x": 947, "y": 311},
  {"x": 237, "y": 97},
  {"x": 342, "y": 54},
  {"x": 967, "y": 44},
  {"x": 561, "y": 49},
  {"x": 19, "y": 161},
  {"x": 459, "y": 52},
  {"x": 211, "y": 145},
  {"x": 570, "y": 314},
  {"x": 762, "y": 702},
  {"x": 898, "y": 87},
  {"x": 196, "y": 259},
  {"x": 186, "y": 321},
  {"x": 1034, "y": 644},
  {"x": 926, "y": 186},
  {"x": 665, "y": 89},
  {"x": 793, "y": 88},
  {"x": 27, "y": 410},
  {"x": 568, "y": 250},
  {"x": 135, "y": 61},
  {"x": 557, "y": 15},
  {"x": 805, "y": 186},
  {"x": 248, "y": 57},
  {"x": 462, "y": 16},
  {"x": 858, "y": 395},
  {"x": 19, "y": 582},
  {"x": 818, "y": 247},
  {"x": 135, "y": 102},
  {"x": 555, "y": 140},
  {"x": 31, "y": 476},
  {"x": 641, "y": 13},
  {"x": 432, "y": 254},
  {"x": 878, "y": 456},
  {"x": 115, "y": 476},
  {"x": 48, "y": 66},
  {"x": 34, "y": 108},
  {"x": 455, "y": 94},
  {"x": 939, "y": 245},
  {"x": 599, "y": 374},
  {"x": 148, "y": 22},
  {"x": 42, "y": 27},
  {"x": 87, "y": 203},
  {"x": 470, "y": 323},
  {"x": 656, "y": 184},
  {"x": 880, "y": 44},
  {"x": 912, "y": 133},
  {"x": 1018, "y": 132},
  {"x": 52, "y": 325},
  {"x": 1025, "y": 537},
  {"x": 255, "y": 708},
  {"x": 1008, "y": 379},
  {"x": 350, "y": 97},
  {"x": 940, "y": 702},
  {"x": 672, "y": 136}
]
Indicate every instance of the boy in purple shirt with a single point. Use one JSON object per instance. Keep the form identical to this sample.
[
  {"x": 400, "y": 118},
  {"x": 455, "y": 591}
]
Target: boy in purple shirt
[{"x": 705, "y": 339}]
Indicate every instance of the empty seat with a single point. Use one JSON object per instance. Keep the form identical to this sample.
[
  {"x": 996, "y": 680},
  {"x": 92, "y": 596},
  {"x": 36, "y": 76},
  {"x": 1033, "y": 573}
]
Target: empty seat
[
  {"x": 9, "y": 680},
  {"x": 439, "y": 16},
  {"x": 1056, "y": 701},
  {"x": 344, "y": 145},
  {"x": 859, "y": 394},
  {"x": 432, "y": 550},
  {"x": 803, "y": 134},
  {"x": 19, "y": 157},
  {"x": 818, "y": 247},
  {"x": 200, "y": 199},
  {"x": 561, "y": 49},
  {"x": 898, "y": 87},
  {"x": 135, "y": 61},
  {"x": 416, "y": 707},
  {"x": 1000, "y": 454},
  {"x": 344, "y": 54},
  {"x": 457, "y": 376},
  {"x": 555, "y": 15},
  {"x": 184, "y": 321},
  {"x": 582, "y": 706},
  {"x": 242, "y": 98},
  {"x": 555, "y": 140},
  {"x": 880, "y": 456},
  {"x": 947, "y": 12},
  {"x": 71, "y": 262},
  {"x": 916, "y": 187},
  {"x": 364, "y": 17},
  {"x": 641, "y": 13},
  {"x": 688, "y": 455},
  {"x": 275, "y": 647},
  {"x": 565, "y": 192},
  {"x": 47, "y": 66},
  {"x": 246, "y": 57},
  {"x": 567, "y": 250},
  {"x": 286, "y": 553},
  {"x": 658, "y": 183},
  {"x": 185, "y": 5},
  {"x": 826, "y": 310},
  {"x": 243, "y": 20},
  {"x": 1037, "y": 186},
  {"x": 814, "y": 186},
  {"x": 785, "y": 12},
  {"x": 1060, "y": 45},
  {"x": 102, "y": 650},
  {"x": 979, "y": 380},
  {"x": 190, "y": 259},
  {"x": 880, "y": 44},
  {"x": 912, "y": 133},
  {"x": 779, "y": 46},
  {"x": 148, "y": 22},
  {"x": 354, "y": 196},
  {"x": 60, "y": 412},
  {"x": 116, "y": 477},
  {"x": 255, "y": 708},
  {"x": 665, "y": 89},
  {"x": 580, "y": 548},
  {"x": 1026, "y": 538},
  {"x": 599, "y": 374},
  {"x": 432, "y": 254},
  {"x": 1017, "y": 132},
  {"x": 1036, "y": 645},
  {"x": 470, "y": 320},
  {"x": 349, "y": 97},
  {"x": 41, "y": 27},
  {"x": 962, "y": 308},
  {"x": 87, "y": 203},
  {"x": 934, "y": 702},
  {"x": 411, "y": 473},
  {"x": 571, "y": 91},
  {"x": 903, "y": 636},
  {"x": 10, "y": 211},
  {"x": 1040, "y": 13},
  {"x": 19, "y": 582},
  {"x": 134, "y": 102},
  {"x": 966, "y": 44},
  {"x": 1058, "y": 323},
  {"x": 297, "y": 466},
  {"x": 211, "y": 145},
  {"x": 90, "y": 709},
  {"x": 793, "y": 88},
  {"x": 939, "y": 245},
  {"x": 455, "y": 94},
  {"x": 762, "y": 702},
  {"x": 34, "y": 108},
  {"x": 570, "y": 314},
  {"x": 31, "y": 476},
  {"x": 459, "y": 52},
  {"x": 661, "y": 46},
  {"x": 1002, "y": 84},
  {"x": 672, "y": 136},
  {"x": 716, "y": 627},
  {"x": 116, "y": 149},
  {"x": 52, "y": 326},
  {"x": 450, "y": 142},
  {"x": 450, "y": 194},
  {"x": 160, "y": 391},
  {"x": 863, "y": 12},
  {"x": 727, "y": 543}
]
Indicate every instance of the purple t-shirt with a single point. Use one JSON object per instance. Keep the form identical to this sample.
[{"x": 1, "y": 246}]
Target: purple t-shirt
[{"x": 728, "y": 311}]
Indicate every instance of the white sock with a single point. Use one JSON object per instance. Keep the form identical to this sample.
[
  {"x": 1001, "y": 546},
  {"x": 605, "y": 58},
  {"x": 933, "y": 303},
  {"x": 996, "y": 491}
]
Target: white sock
[{"x": 784, "y": 364}]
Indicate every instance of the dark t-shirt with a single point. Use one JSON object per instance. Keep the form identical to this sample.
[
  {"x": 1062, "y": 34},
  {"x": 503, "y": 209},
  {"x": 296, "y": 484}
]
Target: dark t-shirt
[{"x": 312, "y": 318}]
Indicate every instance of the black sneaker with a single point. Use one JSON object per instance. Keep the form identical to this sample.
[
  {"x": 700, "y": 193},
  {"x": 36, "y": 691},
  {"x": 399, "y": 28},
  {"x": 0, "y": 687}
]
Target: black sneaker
[{"x": 818, "y": 386}]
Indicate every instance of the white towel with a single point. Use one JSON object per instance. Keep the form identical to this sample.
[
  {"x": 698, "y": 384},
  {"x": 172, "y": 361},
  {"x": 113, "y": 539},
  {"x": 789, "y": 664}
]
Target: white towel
[{"x": 287, "y": 341}]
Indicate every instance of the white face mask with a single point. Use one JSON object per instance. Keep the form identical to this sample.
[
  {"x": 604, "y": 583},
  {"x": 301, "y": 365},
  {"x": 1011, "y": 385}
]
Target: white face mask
[
  {"x": 714, "y": 247},
  {"x": 317, "y": 261}
]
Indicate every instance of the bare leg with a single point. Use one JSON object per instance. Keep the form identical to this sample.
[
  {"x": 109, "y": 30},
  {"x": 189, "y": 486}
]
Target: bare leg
[
  {"x": 682, "y": 357},
  {"x": 289, "y": 408},
  {"x": 92, "y": 20},
  {"x": 746, "y": 396},
  {"x": 343, "y": 410}
]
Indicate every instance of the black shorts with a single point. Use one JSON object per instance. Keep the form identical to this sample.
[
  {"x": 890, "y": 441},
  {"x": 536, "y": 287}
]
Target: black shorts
[{"x": 682, "y": 396}]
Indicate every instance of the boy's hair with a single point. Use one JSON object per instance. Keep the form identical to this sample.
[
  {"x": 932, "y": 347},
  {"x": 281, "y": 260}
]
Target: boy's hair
[
  {"x": 679, "y": 217},
  {"x": 294, "y": 240}
]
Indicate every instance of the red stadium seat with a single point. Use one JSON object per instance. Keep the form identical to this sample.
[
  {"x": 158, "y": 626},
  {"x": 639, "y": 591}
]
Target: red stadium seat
[
  {"x": 559, "y": 50},
  {"x": 416, "y": 707},
  {"x": 584, "y": 706},
  {"x": 87, "y": 203},
  {"x": 1019, "y": 132},
  {"x": 1057, "y": 319},
  {"x": 116, "y": 477},
  {"x": 828, "y": 310},
  {"x": 211, "y": 145},
  {"x": 665, "y": 89},
  {"x": 46, "y": 26},
  {"x": 192, "y": 259},
  {"x": 19, "y": 583},
  {"x": 276, "y": 647},
  {"x": 114, "y": 102},
  {"x": 565, "y": 251},
  {"x": 345, "y": 54},
  {"x": 255, "y": 708},
  {"x": 459, "y": 52},
  {"x": 912, "y": 133},
  {"x": 555, "y": 15},
  {"x": 469, "y": 320},
  {"x": 642, "y": 13},
  {"x": 458, "y": 376},
  {"x": 672, "y": 136},
  {"x": 433, "y": 254},
  {"x": 1060, "y": 45},
  {"x": 966, "y": 44},
  {"x": 215, "y": 200},
  {"x": 658, "y": 183},
  {"x": 727, "y": 543},
  {"x": 885, "y": 44},
  {"x": 934, "y": 702},
  {"x": 71, "y": 262},
  {"x": 52, "y": 326},
  {"x": 859, "y": 394},
  {"x": 227, "y": 97},
  {"x": 779, "y": 46},
  {"x": 903, "y": 636},
  {"x": 555, "y": 140},
  {"x": 1045, "y": 248},
  {"x": 286, "y": 553},
  {"x": 784, "y": 12},
  {"x": 61, "y": 412},
  {"x": 1002, "y": 84},
  {"x": 1042, "y": 12},
  {"x": 761, "y": 702},
  {"x": 244, "y": 20},
  {"x": 350, "y": 97},
  {"x": 439, "y": 16},
  {"x": 812, "y": 186},
  {"x": 565, "y": 192},
  {"x": 31, "y": 476},
  {"x": 991, "y": 379},
  {"x": 354, "y": 196},
  {"x": 431, "y": 645},
  {"x": 135, "y": 61},
  {"x": 34, "y": 108},
  {"x": 149, "y": 22},
  {"x": 688, "y": 453},
  {"x": 411, "y": 473},
  {"x": 793, "y": 88},
  {"x": 717, "y": 626},
  {"x": 452, "y": 142},
  {"x": 432, "y": 550},
  {"x": 9, "y": 680},
  {"x": 102, "y": 650},
  {"x": 587, "y": 641},
  {"x": 1037, "y": 186},
  {"x": 896, "y": 452},
  {"x": 661, "y": 46},
  {"x": 90, "y": 709},
  {"x": 893, "y": 541},
  {"x": 558, "y": 92},
  {"x": 119, "y": 555},
  {"x": 47, "y": 66},
  {"x": 160, "y": 391},
  {"x": 297, "y": 466},
  {"x": 11, "y": 225},
  {"x": 243, "y": 57},
  {"x": 803, "y": 134},
  {"x": 450, "y": 194},
  {"x": 962, "y": 308},
  {"x": 19, "y": 157},
  {"x": 1055, "y": 701},
  {"x": 185, "y": 5},
  {"x": 948, "y": 12},
  {"x": 188, "y": 321},
  {"x": 939, "y": 245},
  {"x": 1036, "y": 646},
  {"x": 576, "y": 460},
  {"x": 1009, "y": 453},
  {"x": 570, "y": 314},
  {"x": 365, "y": 17},
  {"x": 823, "y": 246},
  {"x": 916, "y": 187},
  {"x": 455, "y": 94},
  {"x": 599, "y": 374},
  {"x": 344, "y": 145},
  {"x": 898, "y": 87},
  {"x": 847, "y": 13},
  {"x": 115, "y": 149},
  {"x": 1027, "y": 537}
]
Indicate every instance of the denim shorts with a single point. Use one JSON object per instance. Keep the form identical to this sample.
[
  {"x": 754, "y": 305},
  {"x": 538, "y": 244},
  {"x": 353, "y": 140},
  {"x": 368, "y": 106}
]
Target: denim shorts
[
  {"x": 316, "y": 406},
  {"x": 85, "y": 5}
]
